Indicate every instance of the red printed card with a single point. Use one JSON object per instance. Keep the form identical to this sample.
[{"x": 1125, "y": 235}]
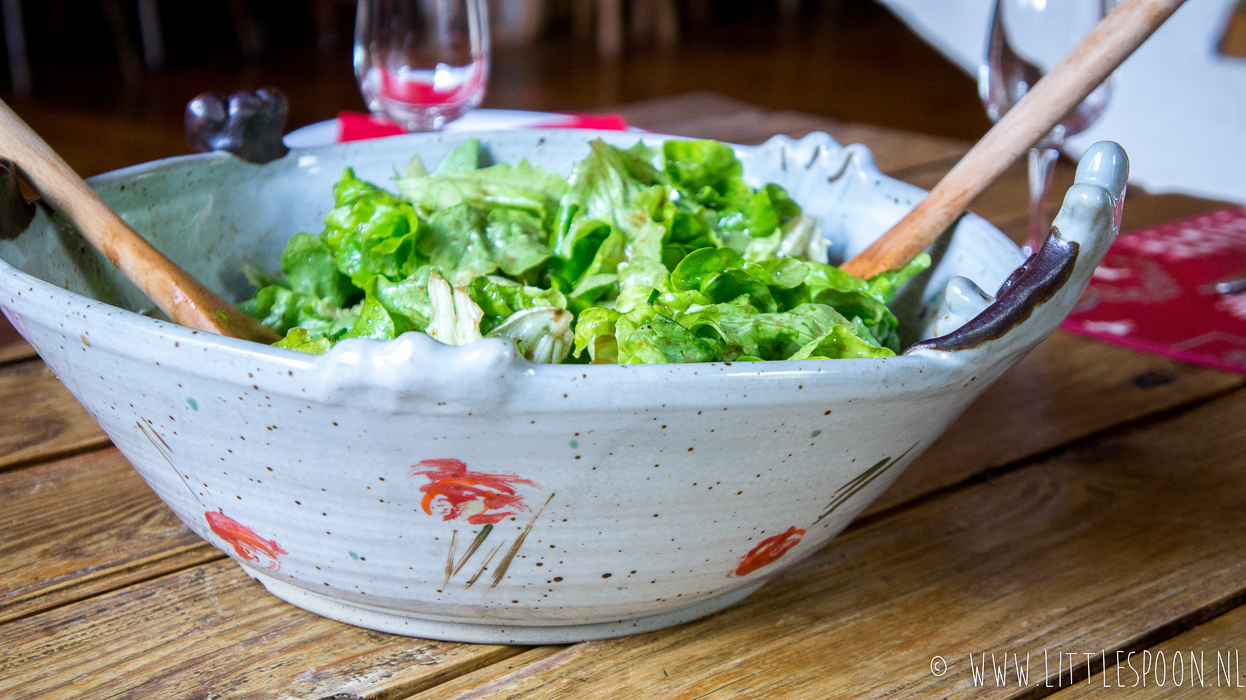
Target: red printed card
[
  {"x": 354, "y": 126},
  {"x": 1153, "y": 292}
]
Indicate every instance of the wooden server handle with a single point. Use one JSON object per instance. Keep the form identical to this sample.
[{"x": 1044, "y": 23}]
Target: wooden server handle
[
  {"x": 1107, "y": 45},
  {"x": 179, "y": 295}
]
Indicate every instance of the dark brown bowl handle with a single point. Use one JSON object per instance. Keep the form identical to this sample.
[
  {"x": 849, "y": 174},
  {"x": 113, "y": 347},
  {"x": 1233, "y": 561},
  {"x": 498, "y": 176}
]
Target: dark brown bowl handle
[
  {"x": 1080, "y": 236},
  {"x": 1035, "y": 282}
]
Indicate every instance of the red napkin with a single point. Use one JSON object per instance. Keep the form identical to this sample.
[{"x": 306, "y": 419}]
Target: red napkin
[
  {"x": 1152, "y": 292},
  {"x": 356, "y": 126}
]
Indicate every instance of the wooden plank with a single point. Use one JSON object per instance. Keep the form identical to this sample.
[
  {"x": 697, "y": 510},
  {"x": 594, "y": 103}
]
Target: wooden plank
[
  {"x": 660, "y": 114},
  {"x": 12, "y": 347},
  {"x": 1004, "y": 200},
  {"x": 1006, "y": 203},
  {"x": 16, "y": 351},
  {"x": 212, "y": 632},
  {"x": 80, "y": 526},
  {"x": 1205, "y": 661},
  {"x": 490, "y": 680},
  {"x": 1091, "y": 550},
  {"x": 1141, "y": 210},
  {"x": 41, "y": 420},
  {"x": 710, "y": 116},
  {"x": 1178, "y": 391},
  {"x": 1069, "y": 387},
  {"x": 893, "y": 150},
  {"x": 1145, "y": 209},
  {"x": 94, "y": 143}
]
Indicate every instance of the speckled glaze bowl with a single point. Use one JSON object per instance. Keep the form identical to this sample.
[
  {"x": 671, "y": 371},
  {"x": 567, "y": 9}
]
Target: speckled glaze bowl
[{"x": 464, "y": 493}]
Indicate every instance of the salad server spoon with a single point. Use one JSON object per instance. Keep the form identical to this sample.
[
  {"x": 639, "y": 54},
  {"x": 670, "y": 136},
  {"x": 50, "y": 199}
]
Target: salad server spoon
[
  {"x": 1107, "y": 45},
  {"x": 182, "y": 297}
]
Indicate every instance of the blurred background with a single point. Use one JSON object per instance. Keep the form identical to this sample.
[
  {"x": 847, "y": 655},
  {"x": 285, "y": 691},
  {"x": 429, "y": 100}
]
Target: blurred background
[{"x": 107, "y": 80}]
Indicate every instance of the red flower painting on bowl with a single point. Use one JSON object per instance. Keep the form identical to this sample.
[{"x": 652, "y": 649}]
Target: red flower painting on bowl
[
  {"x": 768, "y": 551},
  {"x": 246, "y": 542},
  {"x": 479, "y": 498}
]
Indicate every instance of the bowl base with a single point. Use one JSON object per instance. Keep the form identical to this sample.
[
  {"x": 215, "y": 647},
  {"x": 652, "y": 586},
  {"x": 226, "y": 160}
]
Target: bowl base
[{"x": 414, "y": 625}]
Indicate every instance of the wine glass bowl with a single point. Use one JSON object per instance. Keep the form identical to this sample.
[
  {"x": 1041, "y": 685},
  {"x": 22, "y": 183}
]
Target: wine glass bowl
[
  {"x": 422, "y": 63},
  {"x": 1028, "y": 38}
]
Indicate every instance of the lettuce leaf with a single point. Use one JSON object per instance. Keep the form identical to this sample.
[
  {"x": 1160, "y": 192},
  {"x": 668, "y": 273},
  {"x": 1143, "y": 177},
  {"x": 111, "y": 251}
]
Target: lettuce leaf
[
  {"x": 642, "y": 255},
  {"x": 500, "y": 298},
  {"x": 459, "y": 181},
  {"x": 371, "y": 232},
  {"x": 310, "y": 268},
  {"x": 300, "y": 340}
]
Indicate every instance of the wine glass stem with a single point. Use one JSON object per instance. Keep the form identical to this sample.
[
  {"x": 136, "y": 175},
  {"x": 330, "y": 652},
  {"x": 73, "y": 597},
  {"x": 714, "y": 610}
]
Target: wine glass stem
[{"x": 1042, "y": 160}]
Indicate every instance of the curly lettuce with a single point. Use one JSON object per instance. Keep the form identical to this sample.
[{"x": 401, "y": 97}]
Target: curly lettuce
[{"x": 642, "y": 255}]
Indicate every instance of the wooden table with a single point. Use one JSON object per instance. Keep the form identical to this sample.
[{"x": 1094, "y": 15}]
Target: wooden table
[{"x": 1092, "y": 502}]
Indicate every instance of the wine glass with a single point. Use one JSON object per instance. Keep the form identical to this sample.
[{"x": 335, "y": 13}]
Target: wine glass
[
  {"x": 422, "y": 63},
  {"x": 1028, "y": 38}
]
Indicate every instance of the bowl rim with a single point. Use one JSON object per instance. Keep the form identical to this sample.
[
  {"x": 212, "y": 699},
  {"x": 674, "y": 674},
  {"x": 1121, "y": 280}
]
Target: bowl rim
[{"x": 50, "y": 297}]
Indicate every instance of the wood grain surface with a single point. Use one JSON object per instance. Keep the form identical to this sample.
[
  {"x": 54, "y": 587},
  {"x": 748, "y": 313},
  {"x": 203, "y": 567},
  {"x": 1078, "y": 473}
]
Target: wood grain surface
[
  {"x": 1203, "y": 662},
  {"x": 41, "y": 420},
  {"x": 736, "y": 122},
  {"x": 12, "y": 347},
  {"x": 1090, "y": 550},
  {"x": 16, "y": 351},
  {"x": 1099, "y": 513},
  {"x": 1066, "y": 389},
  {"x": 110, "y": 504},
  {"x": 77, "y": 527},
  {"x": 212, "y": 632}
]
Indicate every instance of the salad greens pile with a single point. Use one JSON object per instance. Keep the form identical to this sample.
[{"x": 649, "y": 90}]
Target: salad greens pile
[{"x": 642, "y": 255}]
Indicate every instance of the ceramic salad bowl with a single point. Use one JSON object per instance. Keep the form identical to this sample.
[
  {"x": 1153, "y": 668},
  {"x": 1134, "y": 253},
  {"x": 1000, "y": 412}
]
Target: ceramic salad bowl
[{"x": 464, "y": 493}]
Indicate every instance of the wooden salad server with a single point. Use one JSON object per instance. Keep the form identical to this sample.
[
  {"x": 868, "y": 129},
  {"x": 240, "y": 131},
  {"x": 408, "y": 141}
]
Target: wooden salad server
[
  {"x": 182, "y": 297},
  {"x": 1107, "y": 45}
]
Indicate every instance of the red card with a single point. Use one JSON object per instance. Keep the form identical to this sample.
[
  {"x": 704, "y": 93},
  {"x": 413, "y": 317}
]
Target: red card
[
  {"x": 356, "y": 126},
  {"x": 1153, "y": 292},
  {"x": 601, "y": 122}
]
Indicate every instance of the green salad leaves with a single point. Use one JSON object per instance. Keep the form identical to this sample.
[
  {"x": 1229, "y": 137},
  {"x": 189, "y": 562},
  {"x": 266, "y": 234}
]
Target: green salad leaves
[{"x": 642, "y": 255}]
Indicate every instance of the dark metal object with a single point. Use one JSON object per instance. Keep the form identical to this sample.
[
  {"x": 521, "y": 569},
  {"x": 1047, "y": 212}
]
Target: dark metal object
[
  {"x": 247, "y": 123},
  {"x": 1152, "y": 379},
  {"x": 1232, "y": 286},
  {"x": 1036, "y": 281},
  {"x": 16, "y": 212}
]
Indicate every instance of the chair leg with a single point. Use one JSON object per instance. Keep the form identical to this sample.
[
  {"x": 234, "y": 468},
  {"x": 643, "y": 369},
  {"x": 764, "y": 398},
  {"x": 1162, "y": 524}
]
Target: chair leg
[
  {"x": 666, "y": 23},
  {"x": 610, "y": 28},
  {"x": 530, "y": 21},
  {"x": 15, "y": 42},
  {"x": 640, "y": 20},
  {"x": 582, "y": 19},
  {"x": 131, "y": 65},
  {"x": 323, "y": 17},
  {"x": 248, "y": 32},
  {"x": 153, "y": 37},
  {"x": 698, "y": 12}
]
